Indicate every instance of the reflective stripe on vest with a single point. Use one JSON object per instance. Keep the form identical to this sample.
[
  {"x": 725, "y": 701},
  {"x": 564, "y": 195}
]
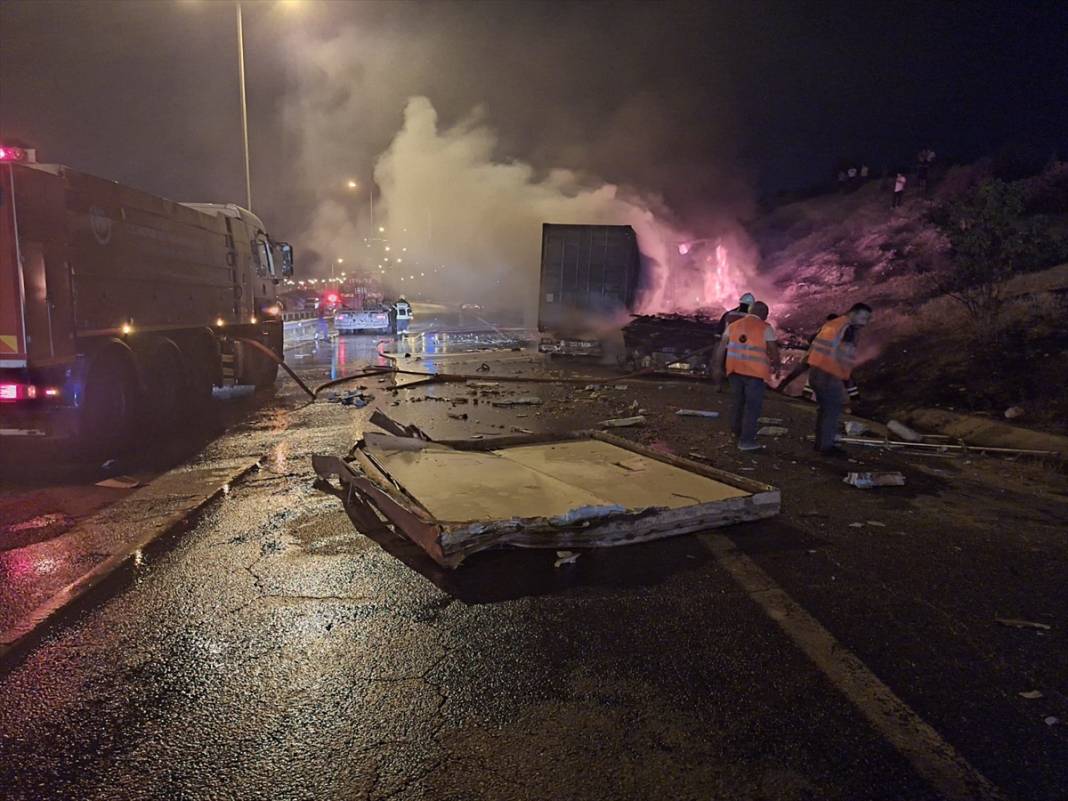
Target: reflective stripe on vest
[
  {"x": 827, "y": 351},
  {"x": 747, "y": 352}
]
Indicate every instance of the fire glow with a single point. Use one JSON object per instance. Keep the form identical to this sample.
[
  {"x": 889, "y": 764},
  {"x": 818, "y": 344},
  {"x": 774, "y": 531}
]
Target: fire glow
[{"x": 693, "y": 276}]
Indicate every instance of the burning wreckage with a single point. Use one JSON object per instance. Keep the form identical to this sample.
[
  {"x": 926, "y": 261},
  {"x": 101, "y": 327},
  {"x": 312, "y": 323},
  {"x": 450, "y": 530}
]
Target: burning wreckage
[
  {"x": 578, "y": 490},
  {"x": 590, "y": 275}
]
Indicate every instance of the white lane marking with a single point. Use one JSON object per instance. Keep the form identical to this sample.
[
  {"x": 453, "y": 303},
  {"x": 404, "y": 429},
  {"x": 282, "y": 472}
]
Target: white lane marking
[{"x": 916, "y": 740}]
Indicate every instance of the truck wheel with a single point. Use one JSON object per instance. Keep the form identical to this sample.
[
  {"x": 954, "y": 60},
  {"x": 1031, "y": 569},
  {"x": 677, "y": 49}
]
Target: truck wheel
[
  {"x": 202, "y": 363},
  {"x": 166, "y": 389},
  {"x": 267, "y": 372},
  {"x": 255, "y": 367},
  {"x": 109, "y": 413}
]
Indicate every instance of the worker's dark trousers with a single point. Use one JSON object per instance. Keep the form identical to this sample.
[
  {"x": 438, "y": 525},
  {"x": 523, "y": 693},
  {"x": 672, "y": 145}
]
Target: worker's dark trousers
[
  {"x": 747, "y": 396},
  {"x": 830, "y": 395}
]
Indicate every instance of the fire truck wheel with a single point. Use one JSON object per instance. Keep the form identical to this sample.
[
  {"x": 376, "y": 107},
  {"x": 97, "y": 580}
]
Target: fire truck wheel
[
  {"x": 201, "y": 359},
  {"x": 164, "y": 374},
  {"x": 255, "y": 367},
  {"x": 266, "y": 372},
  {"x": 109, "y": 413}
]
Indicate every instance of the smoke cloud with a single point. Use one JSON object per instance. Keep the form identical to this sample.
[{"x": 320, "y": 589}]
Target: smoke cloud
[
  {"x": 455, "y": 205},
  {"x": 463, "y": 200}
]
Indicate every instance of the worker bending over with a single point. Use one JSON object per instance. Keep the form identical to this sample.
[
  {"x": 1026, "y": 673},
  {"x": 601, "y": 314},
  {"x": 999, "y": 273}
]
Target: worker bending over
[
  {"x": 749, "y": 352},
  {"x": 830, "y": 359}
]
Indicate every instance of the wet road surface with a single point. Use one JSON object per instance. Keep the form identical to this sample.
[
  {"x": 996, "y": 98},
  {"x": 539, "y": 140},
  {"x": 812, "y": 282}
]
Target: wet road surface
[{"x": 275, "y": 653}]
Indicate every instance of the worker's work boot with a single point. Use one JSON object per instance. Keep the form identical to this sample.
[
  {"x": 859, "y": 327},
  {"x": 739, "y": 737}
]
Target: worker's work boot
[{"x": 750, "y": 446}]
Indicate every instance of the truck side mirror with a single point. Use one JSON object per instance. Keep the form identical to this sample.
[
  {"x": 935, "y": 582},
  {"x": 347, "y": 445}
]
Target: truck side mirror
[{"x": 287, "y": 259}]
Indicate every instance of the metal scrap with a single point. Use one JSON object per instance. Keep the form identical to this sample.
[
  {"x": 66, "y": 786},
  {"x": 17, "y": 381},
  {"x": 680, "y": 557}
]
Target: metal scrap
[{"x": 870, "y": 480}]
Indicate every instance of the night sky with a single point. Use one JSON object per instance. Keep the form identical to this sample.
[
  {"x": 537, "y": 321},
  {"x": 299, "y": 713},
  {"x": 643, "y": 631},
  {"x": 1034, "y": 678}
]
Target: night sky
[{"x": 704, "y": 103}]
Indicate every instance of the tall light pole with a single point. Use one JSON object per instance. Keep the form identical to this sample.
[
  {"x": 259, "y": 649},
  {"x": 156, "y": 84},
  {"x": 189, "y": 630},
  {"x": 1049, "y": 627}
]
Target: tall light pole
[{"x": 244, "y": 106}]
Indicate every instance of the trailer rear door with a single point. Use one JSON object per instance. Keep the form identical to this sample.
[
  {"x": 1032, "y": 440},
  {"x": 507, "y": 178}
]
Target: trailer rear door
[{"x": 12, "y": 294}]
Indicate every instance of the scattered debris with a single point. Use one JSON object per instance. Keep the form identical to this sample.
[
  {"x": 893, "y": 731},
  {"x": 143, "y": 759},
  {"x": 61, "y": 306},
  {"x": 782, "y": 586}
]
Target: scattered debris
[
  {"x": 393, "y": 442},
  {"x": 387, "y": 423},
  {"x": 770, "y": 421},
  {"x": 566, "y": 558},
  {"x": 1016, "y": 623},
  {"x": 1013, "y": 412},
  {"x": 856, "y": 525},
  {"x": 624, "y": 422},
  {"x": 772, "y": 431},
  {"x": 482, "y": 368},
  {"x": 854, "y": 428},
  {"x": 903, "y": 431},
  {"x": 119, "y": 482},
  {"x": 519, "y": 430},
  {"x": 525, "y": 400},
  {"x": 458, "y": 415},
  {"x": 876, "y": 523},
  {"x": 869, "y": 480},
  {"x": 355, "y": 398},
  {"x": 1051, "y": 720},
  {"x": 482, "y": 384},
  {"x": 1031, "y": 695},
  {"x": 620, "y": 387},
  {"x": 697, "y": 413}
]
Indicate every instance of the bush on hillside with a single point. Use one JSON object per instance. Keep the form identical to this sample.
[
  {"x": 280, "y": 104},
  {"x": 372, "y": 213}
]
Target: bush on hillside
[{"x": 990, "y": 240}]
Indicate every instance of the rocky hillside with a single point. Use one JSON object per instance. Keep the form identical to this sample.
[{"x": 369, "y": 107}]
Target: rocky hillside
[{"x": 827, "y": 252}]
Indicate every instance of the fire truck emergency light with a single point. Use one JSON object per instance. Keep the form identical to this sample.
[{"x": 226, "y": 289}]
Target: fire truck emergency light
[{"x": 13, "y": 154}]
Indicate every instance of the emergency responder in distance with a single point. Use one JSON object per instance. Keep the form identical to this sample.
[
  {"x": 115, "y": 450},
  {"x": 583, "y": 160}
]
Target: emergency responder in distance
[
  {"x": 749, "y": 352},
  {"x": 731, "y": 315},
  {"x": 830, "y": 360}
]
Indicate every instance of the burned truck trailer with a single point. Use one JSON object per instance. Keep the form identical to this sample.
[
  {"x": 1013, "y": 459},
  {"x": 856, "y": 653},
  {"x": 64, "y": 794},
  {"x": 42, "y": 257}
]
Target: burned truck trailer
[
  {"x": 589, "y": 279},
  {"x": 119, "y": 307}
]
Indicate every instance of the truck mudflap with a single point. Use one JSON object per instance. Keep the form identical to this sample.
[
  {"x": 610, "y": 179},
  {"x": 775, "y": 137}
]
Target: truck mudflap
[
  {"x": 12, "y": 293},
  {"x": 456, "y": 498}
]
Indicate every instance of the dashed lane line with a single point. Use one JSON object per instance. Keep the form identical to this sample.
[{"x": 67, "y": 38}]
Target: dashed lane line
[{"x": 926, "y": 750}]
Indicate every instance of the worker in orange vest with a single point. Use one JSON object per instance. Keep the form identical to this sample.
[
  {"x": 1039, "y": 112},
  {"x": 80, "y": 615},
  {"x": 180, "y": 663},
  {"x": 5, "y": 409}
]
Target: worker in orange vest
[
  {"x": 748, "y": 352},
  {"x": 830, "y": 359}
]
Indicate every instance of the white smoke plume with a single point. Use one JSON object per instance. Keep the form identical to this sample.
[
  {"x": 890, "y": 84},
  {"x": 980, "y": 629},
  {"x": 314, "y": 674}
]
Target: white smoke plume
[
  {"x": 464, "y": 221},
  {"x": 482, "y": 218}
]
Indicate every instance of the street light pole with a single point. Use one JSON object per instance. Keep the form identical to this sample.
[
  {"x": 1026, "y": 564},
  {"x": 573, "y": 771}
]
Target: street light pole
[{"x": 244, "y": 106}]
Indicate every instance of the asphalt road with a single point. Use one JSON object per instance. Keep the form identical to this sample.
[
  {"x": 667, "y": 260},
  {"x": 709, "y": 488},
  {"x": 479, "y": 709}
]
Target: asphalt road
[{"x": 275, "y": 653}]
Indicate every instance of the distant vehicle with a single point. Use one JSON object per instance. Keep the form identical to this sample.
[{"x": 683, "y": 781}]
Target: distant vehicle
[
  {"x": 589, "y": 274},
  {"x": 119, "y": 307},
  {"x": 374, "y": 318},
  {"x": 402, "y": 315}
]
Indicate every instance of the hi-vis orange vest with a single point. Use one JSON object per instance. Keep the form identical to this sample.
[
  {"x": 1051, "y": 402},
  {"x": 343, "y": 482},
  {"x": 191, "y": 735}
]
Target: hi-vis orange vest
[
  {"x": 829, "y": 353},
  {"x": 747, "y": 352}
]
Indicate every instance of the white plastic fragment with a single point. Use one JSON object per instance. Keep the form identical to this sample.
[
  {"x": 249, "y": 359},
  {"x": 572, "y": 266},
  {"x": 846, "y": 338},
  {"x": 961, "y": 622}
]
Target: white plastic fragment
[
  {"x": 772, "y": 431},
  {"x": 566, "y": 558},
  {"x": 697, "y": 413},
  {"x": 624, "y": 422},
  {"x": 903, "y": 431}
]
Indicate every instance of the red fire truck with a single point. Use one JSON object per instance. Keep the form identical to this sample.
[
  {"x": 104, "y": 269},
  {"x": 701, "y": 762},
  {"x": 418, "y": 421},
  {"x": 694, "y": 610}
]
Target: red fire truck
[{"x": 119, "y": 308}]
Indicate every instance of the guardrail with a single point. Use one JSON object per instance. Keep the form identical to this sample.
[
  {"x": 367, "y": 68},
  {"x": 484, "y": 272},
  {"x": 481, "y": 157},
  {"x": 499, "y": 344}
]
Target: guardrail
[{"x": 289, "y": 317}]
